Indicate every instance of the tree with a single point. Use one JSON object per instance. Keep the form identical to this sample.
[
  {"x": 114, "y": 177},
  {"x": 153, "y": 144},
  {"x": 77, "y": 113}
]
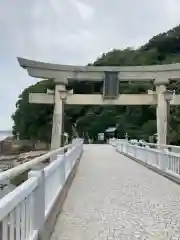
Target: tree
[{"x": 33, "y": 121}]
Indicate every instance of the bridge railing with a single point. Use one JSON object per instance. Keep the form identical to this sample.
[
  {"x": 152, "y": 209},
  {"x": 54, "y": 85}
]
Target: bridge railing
[
  {"x": 166, "y": 162},
  {"x": 25, "y": 211},
  {"x": 162, "y": 147}
]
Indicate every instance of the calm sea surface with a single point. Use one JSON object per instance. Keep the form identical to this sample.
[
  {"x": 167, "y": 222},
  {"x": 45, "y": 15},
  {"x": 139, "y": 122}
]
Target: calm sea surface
[{"x": 4, "y": 134}]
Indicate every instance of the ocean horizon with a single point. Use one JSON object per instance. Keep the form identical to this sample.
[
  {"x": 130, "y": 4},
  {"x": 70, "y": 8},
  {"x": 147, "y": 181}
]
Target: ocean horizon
[{"x": 4, "y": 134}]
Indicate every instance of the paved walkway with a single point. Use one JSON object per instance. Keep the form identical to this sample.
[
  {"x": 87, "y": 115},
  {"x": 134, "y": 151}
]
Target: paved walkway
[{"x": 113, "y": 197}]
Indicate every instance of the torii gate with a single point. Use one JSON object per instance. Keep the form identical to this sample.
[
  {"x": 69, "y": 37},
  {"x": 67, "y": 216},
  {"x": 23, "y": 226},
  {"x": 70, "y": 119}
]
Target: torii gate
[{"x": 111, "y": 76}]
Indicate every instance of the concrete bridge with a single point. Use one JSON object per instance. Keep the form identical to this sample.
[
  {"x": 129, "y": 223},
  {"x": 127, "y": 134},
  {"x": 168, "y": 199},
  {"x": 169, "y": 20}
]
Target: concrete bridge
[{"x": 115, "y": 191}]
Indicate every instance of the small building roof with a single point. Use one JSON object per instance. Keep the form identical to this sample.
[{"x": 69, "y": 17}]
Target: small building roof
[{"x": 111, "y": 129}]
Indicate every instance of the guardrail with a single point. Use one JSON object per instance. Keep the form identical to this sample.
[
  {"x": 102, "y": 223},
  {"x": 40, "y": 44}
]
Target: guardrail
[
  {"x": 25, "y": 210},
  {"x": 170, "y": 148},
  {"x": 165, "y": 162}
]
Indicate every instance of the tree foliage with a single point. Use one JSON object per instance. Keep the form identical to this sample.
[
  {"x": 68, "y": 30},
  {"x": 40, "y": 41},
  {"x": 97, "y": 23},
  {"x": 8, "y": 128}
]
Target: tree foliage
[{"x": 33, "y": 121}]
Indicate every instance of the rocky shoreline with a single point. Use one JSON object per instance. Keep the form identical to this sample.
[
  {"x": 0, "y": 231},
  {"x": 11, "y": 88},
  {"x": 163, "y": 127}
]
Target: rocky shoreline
[{"x": 9, "y": 161}]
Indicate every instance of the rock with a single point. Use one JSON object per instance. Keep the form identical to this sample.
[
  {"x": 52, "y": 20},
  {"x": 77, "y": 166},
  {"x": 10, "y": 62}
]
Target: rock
[{"x": 7, "y": 162}]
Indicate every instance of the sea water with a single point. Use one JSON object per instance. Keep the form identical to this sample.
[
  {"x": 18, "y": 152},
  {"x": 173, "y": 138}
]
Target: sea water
[{"x": 4, "y": 134}]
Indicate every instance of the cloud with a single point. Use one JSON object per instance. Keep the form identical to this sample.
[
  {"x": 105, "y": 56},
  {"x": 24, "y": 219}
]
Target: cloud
[
  {"x": 85, "y": 10},
  {"x": 71, "y": 32}
]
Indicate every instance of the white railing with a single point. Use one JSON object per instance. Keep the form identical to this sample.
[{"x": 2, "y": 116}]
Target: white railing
[
  {"x": 162, "y": 147},
  {"x": 24, "y": 211},
  {"x": 167, "y": 162},
  {"x": 170, "y": 148},
  {"x": 114, "y": 142}
]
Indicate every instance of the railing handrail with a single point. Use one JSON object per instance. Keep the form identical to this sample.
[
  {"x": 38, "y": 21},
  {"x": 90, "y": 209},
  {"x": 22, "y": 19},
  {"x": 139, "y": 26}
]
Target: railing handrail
[
  {"x": 8, "y": 202},
  {"x": 162, "y": 145},
  {"x": 27, "y": 210},
  {"x": 15, "y": 171},
  {"x": 165, "y": 163},
  {"x": 151, "y": 149},
  {"x": 51, "y": 167},
  {"x": 152, "y": 144}
]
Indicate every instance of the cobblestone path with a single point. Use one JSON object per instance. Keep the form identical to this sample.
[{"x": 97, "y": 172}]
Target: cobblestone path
[{"x": 113, "y": 197}]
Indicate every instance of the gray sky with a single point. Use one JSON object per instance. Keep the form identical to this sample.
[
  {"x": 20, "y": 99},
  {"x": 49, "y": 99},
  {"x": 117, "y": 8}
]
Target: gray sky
[{"x": 71, "y": 32}]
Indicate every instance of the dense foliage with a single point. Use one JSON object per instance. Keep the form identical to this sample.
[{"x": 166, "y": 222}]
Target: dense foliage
[{"x": 35, "y": 121}]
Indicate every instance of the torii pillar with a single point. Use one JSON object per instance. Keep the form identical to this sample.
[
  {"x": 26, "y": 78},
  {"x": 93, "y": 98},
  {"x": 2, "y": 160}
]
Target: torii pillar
[
  {"x": 162, "y": 115},
  {"x": 164, "y": 99},
  {"x": 60, "y": 96}
]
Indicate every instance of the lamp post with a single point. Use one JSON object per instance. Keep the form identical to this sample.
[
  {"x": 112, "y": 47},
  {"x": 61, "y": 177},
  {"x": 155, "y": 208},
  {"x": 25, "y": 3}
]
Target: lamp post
[
  {"x": 63, "y": 97},
  {"x": 18, "y": 136},
  {"x": 126, "y": 136},
  {"x": 168, "y": 96}
]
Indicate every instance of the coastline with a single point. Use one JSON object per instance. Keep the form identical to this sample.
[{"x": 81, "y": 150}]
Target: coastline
[{"x": 4, "y": 134}]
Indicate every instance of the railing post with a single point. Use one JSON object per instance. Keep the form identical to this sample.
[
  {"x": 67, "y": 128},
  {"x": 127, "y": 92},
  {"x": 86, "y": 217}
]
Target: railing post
[
  {"x": 39, "y": 201},
  {"x": 146, "y": 156},
  {"x": 62, "y": 169},
  {"x": 66, "y": 165},
  {"x": 53, "y": 157},
  {"x": 135, "y": 152},
  {"x": 163, "y": 161}
]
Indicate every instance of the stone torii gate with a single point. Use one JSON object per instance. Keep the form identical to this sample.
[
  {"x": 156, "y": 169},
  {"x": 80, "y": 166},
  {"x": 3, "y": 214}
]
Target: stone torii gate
[{"x": 111, "y": 77}]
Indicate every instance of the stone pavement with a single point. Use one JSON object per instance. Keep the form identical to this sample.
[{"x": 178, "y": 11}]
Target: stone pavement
[{"x": 113, "y": 197}]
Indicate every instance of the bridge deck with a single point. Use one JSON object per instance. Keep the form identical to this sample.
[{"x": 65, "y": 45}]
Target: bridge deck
[{"x": 113, "y": 197}]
